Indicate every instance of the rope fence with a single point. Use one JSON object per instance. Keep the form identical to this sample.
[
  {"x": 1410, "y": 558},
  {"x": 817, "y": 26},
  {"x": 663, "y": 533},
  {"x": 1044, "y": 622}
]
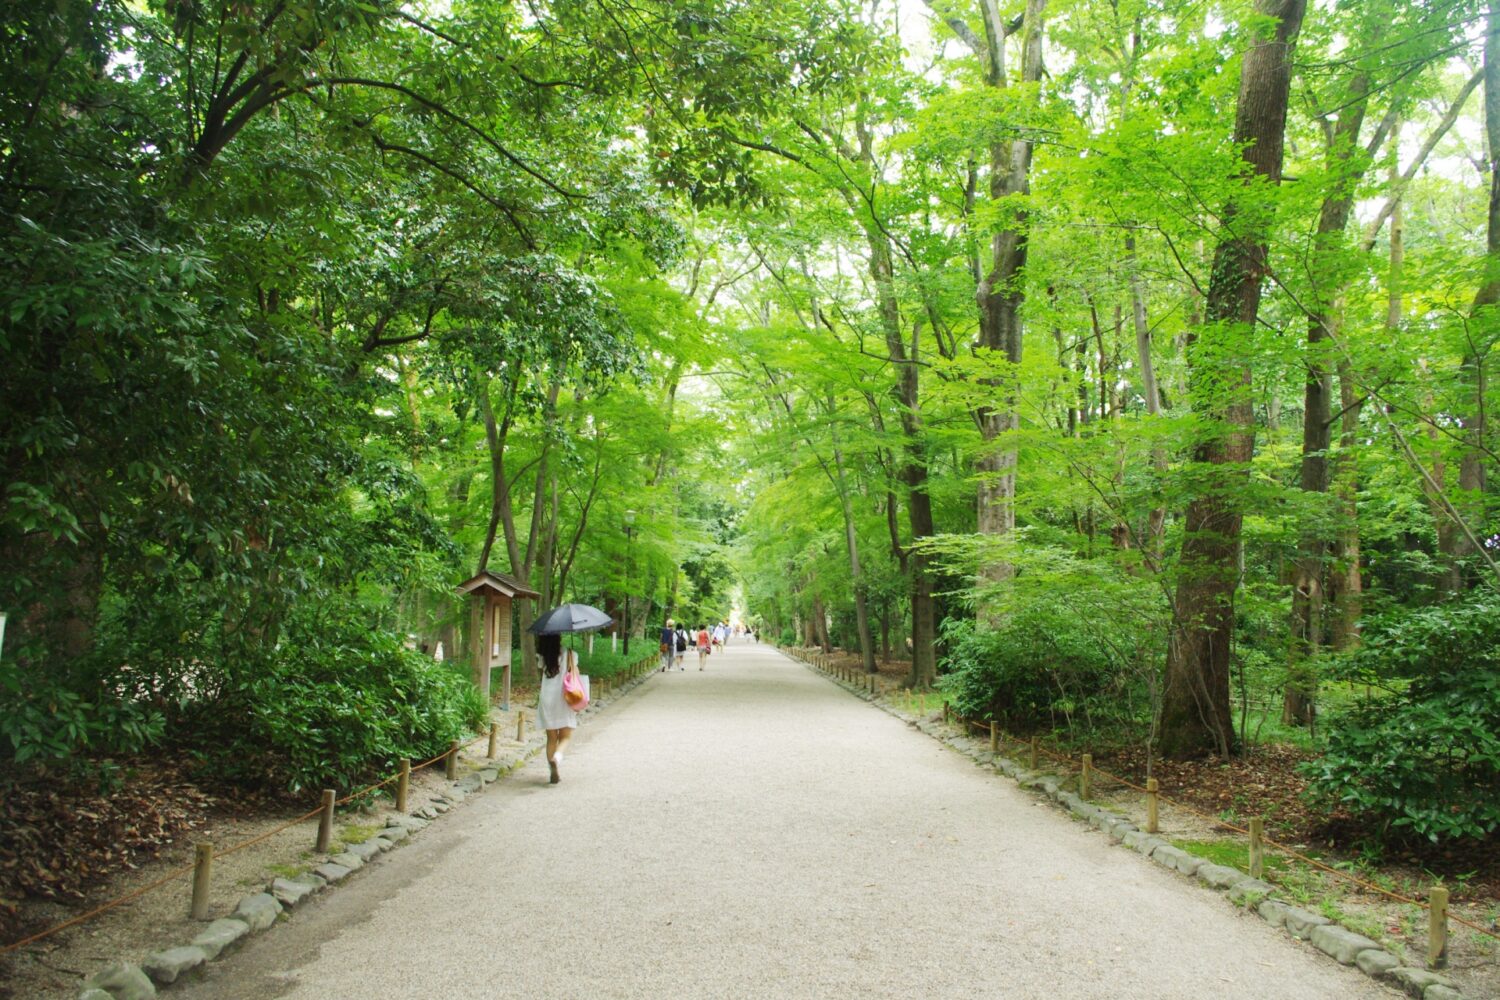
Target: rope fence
[
  {"x": 1087, "y": 771},
  {"x": 324, "y": 810}
]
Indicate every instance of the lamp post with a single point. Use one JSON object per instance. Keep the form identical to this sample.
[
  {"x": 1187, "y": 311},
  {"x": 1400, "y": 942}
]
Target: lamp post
[{"x": 629, "y": 538}]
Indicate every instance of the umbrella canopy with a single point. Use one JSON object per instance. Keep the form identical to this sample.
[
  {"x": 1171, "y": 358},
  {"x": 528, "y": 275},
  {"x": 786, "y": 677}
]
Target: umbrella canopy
[{"x": 569, "y": 618}]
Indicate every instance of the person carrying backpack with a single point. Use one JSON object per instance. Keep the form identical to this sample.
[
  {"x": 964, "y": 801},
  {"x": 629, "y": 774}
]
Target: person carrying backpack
[
  {"x": 668, "y": 644},
  {"x": 683, "y": 641}
]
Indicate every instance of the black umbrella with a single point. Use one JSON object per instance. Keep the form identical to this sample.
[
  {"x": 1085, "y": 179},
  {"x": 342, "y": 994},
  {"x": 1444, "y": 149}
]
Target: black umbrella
[{"x": 569, "y": 618}]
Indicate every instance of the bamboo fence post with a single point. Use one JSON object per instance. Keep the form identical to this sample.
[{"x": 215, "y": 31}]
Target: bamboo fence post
[
  {"x": 1437, "y": 928},
  {"x": 521, "y": 727},
  {"x": 403, "y": 785},
  {"x": 489, "y": 753},
  {"x": 325, "y": 821},
  {"x": 994, "y": 737},
  {"x": 1257, "y": 847},
  {"x": 450, "y": 765},
  {"x": 1035, "y": 749},
  {"x": 1086, "y": 777},
  {"x": 203, "y": 869},
  {"x": 1151, "y": 805}
]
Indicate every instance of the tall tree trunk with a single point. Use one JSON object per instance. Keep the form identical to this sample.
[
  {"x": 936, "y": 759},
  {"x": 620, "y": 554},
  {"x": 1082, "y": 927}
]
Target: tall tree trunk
[
  {"x": 1000, "y": 292},
  {"x": 820, "y": 625},
  {"x": 1195, "y": 712},
  {"x": 1308, "y": 583},
  {"x": 856, "y": 571},
  {"x": 1471, "y": 467},
  {"x": 1157, "y": 519},
  {"x": 907, "y": 394}
]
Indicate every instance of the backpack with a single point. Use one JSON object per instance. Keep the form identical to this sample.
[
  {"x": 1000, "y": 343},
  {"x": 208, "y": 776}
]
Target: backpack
[{"x": 682, "y": 643}]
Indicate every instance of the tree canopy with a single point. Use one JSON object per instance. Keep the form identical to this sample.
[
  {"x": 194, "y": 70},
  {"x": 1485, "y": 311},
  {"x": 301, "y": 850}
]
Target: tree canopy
[{"x": 1103, "y": 362}]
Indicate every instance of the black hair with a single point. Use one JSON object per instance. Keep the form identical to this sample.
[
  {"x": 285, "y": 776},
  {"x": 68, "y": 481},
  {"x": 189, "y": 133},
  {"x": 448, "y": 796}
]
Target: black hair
[{"x": 549, "y": 648}]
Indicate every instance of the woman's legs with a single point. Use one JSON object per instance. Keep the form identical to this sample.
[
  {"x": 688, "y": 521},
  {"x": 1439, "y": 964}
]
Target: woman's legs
[
  {"x": 552, "y": 747},
  {"x": 702, "y": 656}
]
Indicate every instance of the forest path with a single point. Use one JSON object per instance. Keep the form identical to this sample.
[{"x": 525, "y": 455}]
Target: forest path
[{"x": 752, "y": 830}]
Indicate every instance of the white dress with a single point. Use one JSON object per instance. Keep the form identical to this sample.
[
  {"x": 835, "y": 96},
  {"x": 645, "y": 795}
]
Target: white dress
[{"x": 552, "y": 709}]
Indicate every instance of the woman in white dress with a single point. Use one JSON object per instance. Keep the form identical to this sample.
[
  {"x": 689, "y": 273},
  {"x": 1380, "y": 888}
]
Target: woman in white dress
[{"x": 552, "y": 711}]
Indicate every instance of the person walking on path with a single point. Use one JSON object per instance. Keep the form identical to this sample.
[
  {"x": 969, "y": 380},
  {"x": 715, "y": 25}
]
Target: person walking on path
[
  {"x": 703, "y": 647},
  {"x": 668, "y": 644},
  {"x": 552, "y": 711},
  {"x": 682, "y": 642}
]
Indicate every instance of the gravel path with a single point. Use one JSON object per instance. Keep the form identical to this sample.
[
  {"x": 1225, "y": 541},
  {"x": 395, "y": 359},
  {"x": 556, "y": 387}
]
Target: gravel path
[{"x": 754, "y": 831}]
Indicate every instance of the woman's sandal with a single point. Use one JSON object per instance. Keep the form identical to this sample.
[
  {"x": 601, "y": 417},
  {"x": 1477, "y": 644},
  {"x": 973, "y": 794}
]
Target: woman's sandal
[{"x": 552, "y": 766}]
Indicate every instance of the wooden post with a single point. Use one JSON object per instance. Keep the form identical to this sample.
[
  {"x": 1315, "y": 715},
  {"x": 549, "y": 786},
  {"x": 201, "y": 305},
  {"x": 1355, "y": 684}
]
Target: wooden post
[
  {"x": 1086, "y": 777},
  {"x": 521, "y": 727},
  {"x": 1151, "y": 816},
  {"x": 450, "y": 765},
  {"x": 1035, "y": 749},
  {"x": 1257, "y": 847},
  {"x": 203, "y": 869},
  {"x": 325, "y": 821},
  {"x": 494, "y": 738},
  {"x": 922, "y": 705},
  {"x": 403, "y": 785},
  {"x": 1437, "y": 928},
  {"x": 945, "y": 711},
  {"x": 994, "y": 737}
]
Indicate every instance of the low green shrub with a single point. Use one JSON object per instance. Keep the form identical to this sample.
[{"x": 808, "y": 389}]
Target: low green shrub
[
  {"x": 1043, "y": 668},
  {"x": 332, "y": 705},
  {"x": 1425, "y": 760},
  {"x": 600, "y": 663}
]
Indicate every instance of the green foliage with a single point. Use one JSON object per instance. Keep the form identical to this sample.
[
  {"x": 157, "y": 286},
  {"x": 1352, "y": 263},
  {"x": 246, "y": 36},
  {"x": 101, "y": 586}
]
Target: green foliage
[
  {"x": 1423, "y": 762},
  {"x": 331, "y": 705},
  {"x": 42, "y": 722},
  {"x": 1041, "y": 666}
]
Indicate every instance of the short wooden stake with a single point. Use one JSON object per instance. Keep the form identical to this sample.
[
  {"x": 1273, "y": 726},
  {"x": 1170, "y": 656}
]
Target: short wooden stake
[
  {"x": 403, "y": 785},
  {"x": 325, "y": 821},
  {"x": 994, "y": 737},
  {"x": 1257, "y": 847},
  {"x": 1437, "y": 928},
  {"x": 1151, "y": 814},
  {"x": 945, "y": 711},
  {"x": 494, "y": 738},
  {"x": 450, "y": 765},
  {"x": 1035, "y": 750},
  {"x": 1086, "y": 777},
  {"x": 520, "y": 727},
  {"x": 203, "y": 873}
]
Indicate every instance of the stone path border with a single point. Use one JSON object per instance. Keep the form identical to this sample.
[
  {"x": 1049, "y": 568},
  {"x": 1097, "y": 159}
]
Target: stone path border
[
  {"x": 259, "y": 911},
  {"x": 1343, "y": 945}
]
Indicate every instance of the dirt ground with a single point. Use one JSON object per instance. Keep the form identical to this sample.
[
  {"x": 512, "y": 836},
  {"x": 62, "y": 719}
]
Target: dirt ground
[{"x": 55, "y": 968}]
